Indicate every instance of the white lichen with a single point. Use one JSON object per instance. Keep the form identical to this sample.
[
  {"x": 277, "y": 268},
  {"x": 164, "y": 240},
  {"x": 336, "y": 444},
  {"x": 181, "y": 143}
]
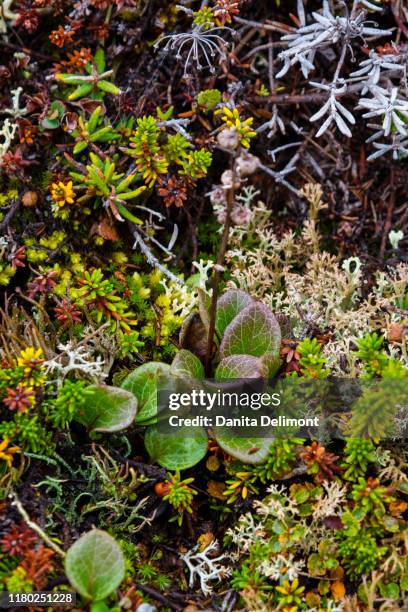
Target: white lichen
[
  {"x": 281, "y": 567},
  {"x": 7, "y": 133},
  {"x": 205, "y": 568},
  {"x": 330, "y": 503},
  {"x": 15, "y": 110},
  {"x": 78, "y": 359},
  {"x": 6, "y": 14},
  {"x": 246, "y": 532}
]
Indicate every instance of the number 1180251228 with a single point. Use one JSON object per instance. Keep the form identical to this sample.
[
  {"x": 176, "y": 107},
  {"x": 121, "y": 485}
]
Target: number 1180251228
[{"x": 46, "y": 599}]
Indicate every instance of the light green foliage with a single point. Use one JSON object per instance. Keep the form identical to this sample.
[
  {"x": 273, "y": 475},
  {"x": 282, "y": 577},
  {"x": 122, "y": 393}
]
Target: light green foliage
[
  {"x": 130, "y": 343},
  {"x": 94, "y": 83},
  {"x": 247, "y": 450},
  {"x": 358, "y": 453},
  {"x": 247, "y": 577},
  {"x": 250, "y": 329},
  {"x": 263, "y": 91},
  {"x": 145, "y": 148},
  {"x": 374, "y": 412},
  {"x": 370, "y": 498},
  {"x": 204, "y": 18},
  {"x": 95, "y": 565},
  {"x": 187, "y": 365},
  {"x": 358, "y": 548},
  {"x": 254, "y": 331},
  {"x": 240, "y": 366},
  {"x": 370, "y": 351},
  {"x": 208, "y": 99},
  {"x": 28, "y": 431},
  {"x": 144, "y": 383},
  {"x": 281, "y": 459},
  {"x": 180, "y": 495},
  {"x": 311, "y": 359},
  {"x": 376, "y": 361},
  {"x": 38, "y": 251},
  {"x": 111, "y": 187},
  {"x": 97, "y": 293},
  {"x": 229, "y": 305},
  {"x": 196, "y": 164},
  {"x": 155, "y": 151},
  {"x": 176, "y": 147},
  {"x": 6, "y": 269},
  {"x": 18, "y": 581},
  {"x": 70, "y": 401},
  {"x": 92, "y": 131}
]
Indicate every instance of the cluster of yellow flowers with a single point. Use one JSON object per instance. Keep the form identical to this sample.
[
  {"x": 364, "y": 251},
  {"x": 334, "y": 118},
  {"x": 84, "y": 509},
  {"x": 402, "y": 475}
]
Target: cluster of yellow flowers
[
  {"x": 21, "y": 395},
  {"x": 62, "y": 195},
  {"x": 242, "y": 127},
  {"x": 7, "y": 452}
]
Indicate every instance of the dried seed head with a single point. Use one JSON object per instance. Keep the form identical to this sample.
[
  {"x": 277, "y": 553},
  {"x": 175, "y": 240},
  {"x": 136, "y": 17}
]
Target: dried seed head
[
  {"x": 241, "y": 215},
  {"x": 228, "y": 139},
  {"x": 217, "y": 196},
  {"x": 228, "y": 181},
  {"x": 247, "y": 164}
]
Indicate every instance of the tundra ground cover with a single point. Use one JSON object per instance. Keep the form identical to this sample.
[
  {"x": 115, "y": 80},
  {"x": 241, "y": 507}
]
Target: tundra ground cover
[{"x": 205, "y": 189}]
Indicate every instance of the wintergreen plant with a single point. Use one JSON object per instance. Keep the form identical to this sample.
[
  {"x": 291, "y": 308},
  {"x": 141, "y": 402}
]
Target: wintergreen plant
[
  {"x": 248, "y": 336},
  {"x": 95, "y": 565},
  {"x": 107, "y": 409}
]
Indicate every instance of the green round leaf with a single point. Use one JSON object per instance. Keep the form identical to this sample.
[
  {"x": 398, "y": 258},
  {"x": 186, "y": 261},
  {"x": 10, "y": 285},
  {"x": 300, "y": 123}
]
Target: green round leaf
[
  {"x": 108, "y": 409},
  {"x": 271, "y": 364},
  {"x": 240, "y": 366},
  {"x": 187, "y": 365},
  {"x": 247, "y": 450},
  {"x": 254, "y": 331},
  {"x": 144, "y": 383},
  {"x": 176, "y": 453},
  {"x": 228, "y": 306},
  {"x": 95, "y": 565}
]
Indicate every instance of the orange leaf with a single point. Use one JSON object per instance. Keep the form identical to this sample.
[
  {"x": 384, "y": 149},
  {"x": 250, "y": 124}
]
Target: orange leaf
[
  {"x": 216, "y": 489},
  {"x": 107, "y": 230},
  {"x": 338, "y": 590}
]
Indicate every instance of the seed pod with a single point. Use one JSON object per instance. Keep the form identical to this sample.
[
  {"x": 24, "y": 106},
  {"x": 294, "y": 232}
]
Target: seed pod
[
  {"x": 228, "y": 139},
  {"x": 217, "y": 195},
  {"x": 241, "y": 215},
  {"x": 226, "y": 180},
  {"x": 247, "y": 164}
]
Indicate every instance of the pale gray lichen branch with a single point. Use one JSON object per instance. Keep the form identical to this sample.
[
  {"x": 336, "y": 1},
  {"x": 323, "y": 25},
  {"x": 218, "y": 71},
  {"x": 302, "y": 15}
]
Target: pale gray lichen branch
[
  {"x": 6, "y": 14},
  {"x": 205, "y": 568},
  {"x": 151, "y": 258}
]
